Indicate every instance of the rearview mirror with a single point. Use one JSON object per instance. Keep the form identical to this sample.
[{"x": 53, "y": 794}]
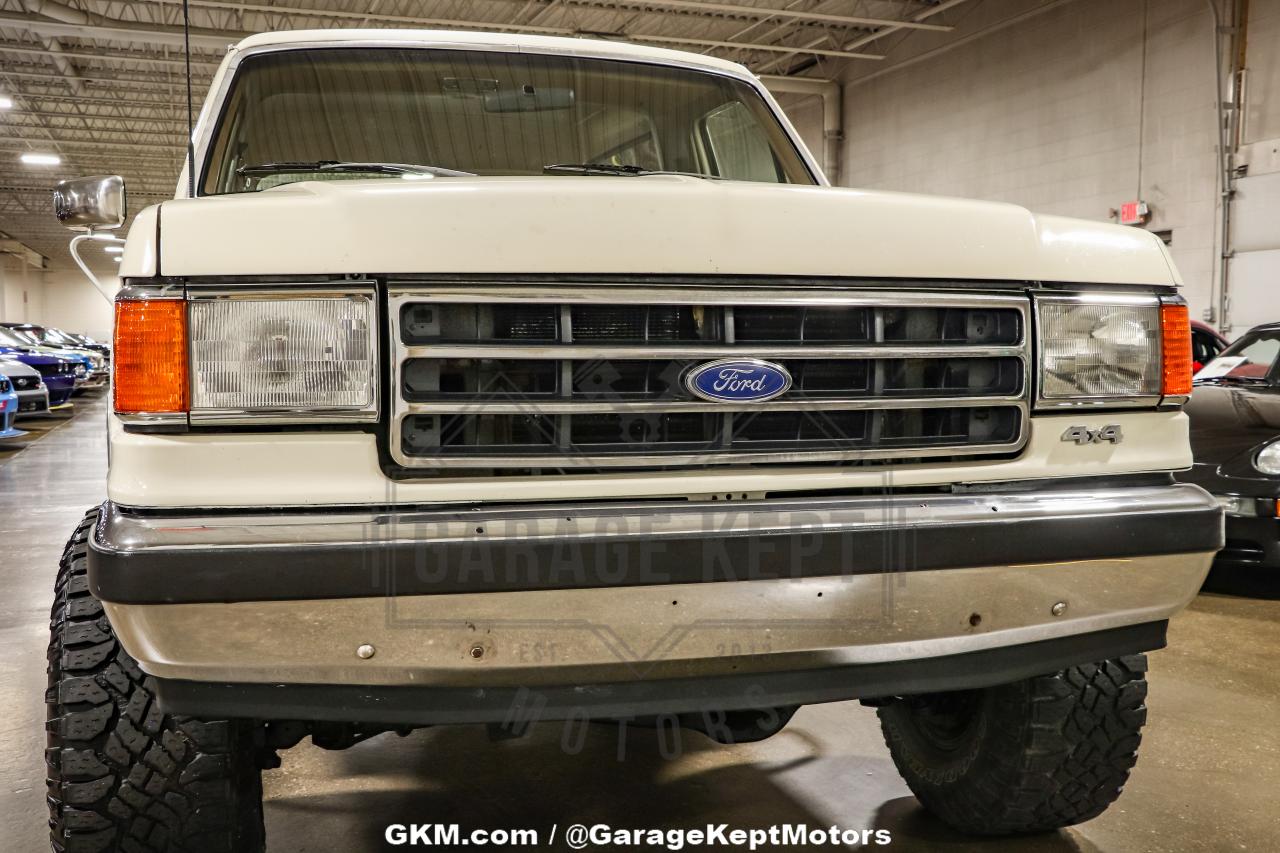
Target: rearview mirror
[
  {"x": 87, "y": 204},
  {"x": 528, "y": 99}
]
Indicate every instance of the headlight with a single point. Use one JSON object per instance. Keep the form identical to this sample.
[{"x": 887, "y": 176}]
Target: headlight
[
  {"x": 278, "y": 356},
  {"x": 1268, "y": 460},
  {"x": 245, "y": 356},
  {"x": 1101, "y": 350}
]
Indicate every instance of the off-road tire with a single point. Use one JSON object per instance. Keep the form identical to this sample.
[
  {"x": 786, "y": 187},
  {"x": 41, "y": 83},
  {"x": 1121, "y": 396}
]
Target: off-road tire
[
  {"x": 122, "y": 776},
  {"x": 1030, "y": 756}
]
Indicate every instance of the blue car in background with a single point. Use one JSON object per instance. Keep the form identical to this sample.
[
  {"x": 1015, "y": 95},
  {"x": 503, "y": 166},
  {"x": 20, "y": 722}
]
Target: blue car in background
[
  {"x": 96, "y": 374},
  {"x": 59, "y": 371},
  {"x": 8, "y": 409}
]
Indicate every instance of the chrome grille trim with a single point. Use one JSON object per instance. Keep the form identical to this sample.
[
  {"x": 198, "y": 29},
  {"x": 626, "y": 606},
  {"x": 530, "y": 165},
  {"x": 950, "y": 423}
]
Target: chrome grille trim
[
  {"x": 569, "y": 407},
  {"x": 693, "y": 294},
  {"x": 581, "y": 457},
  {"x": 555, "y": 352}
]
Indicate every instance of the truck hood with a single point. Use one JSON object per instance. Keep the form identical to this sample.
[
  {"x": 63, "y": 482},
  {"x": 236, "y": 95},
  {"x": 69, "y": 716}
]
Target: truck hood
[{"x": 652, "y": 225}]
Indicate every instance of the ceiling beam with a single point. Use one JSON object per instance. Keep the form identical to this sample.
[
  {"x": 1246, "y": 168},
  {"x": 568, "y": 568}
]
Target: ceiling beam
[
  {"x": 174, "y": 80},
  {"x": 738, "y": 45},
  {"x": 643, "y": 6},
  {"x": 98, "y": 143},
  {"x": 936, "y": 9},
  {"x": 131, "y": 102},
  {"x": 117, "y": 117},
  {"x": 862, "y": 41},
  {"x": 126, "y": 31},
  {"x": 111, "y": 153},
  {"x": 23, "y": 252},
  {"x": 178, "y": 136},
  {"x": 105, "y": 56},
  {"x": 966, "y": 39},
  {"x": 763, "y": 12}
]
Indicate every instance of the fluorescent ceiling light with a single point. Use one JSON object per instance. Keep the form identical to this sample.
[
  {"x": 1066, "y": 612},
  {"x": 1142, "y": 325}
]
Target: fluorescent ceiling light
[
  {"x": 6, "y": 103},
  {"x": 33, "y": 159},
  {"x": 116, "y": 259},
  {"x": 114, "y": 250}
]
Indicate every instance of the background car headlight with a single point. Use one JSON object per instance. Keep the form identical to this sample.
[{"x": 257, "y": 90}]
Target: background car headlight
[
  {"x": 1095, "y": 349},
  {"x": 1268, "y": 459},
  {"x": 305, "y": 357}
]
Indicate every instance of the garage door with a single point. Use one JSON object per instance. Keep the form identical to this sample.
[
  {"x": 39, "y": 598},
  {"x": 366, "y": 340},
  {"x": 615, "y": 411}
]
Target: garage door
[{"x": 1255, "y": 268}]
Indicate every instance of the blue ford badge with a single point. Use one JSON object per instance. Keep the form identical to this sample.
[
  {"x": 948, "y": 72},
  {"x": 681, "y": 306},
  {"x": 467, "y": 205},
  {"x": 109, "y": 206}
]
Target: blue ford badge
[{"x": 738, "y": 380}]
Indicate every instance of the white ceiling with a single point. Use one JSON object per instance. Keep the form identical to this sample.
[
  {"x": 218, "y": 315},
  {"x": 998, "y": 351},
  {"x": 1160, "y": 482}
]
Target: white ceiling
[{"x": 102, "y": 82}]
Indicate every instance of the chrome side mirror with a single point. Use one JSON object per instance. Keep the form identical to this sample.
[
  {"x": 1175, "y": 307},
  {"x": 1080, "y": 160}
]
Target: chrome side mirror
[{"x": 87, "y": 204}]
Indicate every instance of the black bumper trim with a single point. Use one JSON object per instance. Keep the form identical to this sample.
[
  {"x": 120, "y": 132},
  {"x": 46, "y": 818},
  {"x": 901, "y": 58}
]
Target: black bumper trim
[
  {"x": 424, "y": 706},
  {"x": 375, "y": 568}
]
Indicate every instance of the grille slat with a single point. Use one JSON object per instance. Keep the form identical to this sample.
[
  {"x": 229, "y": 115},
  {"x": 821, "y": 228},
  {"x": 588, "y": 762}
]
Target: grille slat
[
  {"x": 556, "y": 407},
  {"x": 706, "y": 352},
  {"x": 591, "y": 377}
]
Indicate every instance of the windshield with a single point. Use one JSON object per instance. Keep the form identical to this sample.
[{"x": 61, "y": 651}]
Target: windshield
[
  {"x": 1252, "y": 358},
  {"x": 10, "y": 338},
  {"x": 58, "y": 336},
  {"x": 487, "y": 113},
  {"x": 28, "y": 337}
]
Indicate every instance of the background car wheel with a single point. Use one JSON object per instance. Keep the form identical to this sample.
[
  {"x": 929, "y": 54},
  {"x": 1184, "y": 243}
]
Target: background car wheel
[
  {"x": 1030, "y": 756},
  {"x": 122, "y": 776}
]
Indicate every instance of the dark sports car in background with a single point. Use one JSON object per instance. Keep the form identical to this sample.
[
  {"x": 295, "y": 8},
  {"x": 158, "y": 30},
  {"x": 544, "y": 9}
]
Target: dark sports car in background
[
  {"x": 1235, "y": 437},
  {"x": 86, "y": 342}
]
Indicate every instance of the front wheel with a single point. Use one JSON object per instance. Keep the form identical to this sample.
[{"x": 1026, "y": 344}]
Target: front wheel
[
  {"x": 1030, "y": 756},
  {"x": 123, "y": 777}
]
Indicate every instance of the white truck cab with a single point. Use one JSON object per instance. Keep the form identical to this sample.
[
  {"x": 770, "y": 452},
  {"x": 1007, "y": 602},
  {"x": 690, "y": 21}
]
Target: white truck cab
[{"x": 495, "y": 378}]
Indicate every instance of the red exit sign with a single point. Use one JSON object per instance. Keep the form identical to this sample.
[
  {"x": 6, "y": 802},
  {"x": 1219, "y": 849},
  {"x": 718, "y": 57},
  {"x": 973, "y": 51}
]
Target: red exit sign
[{"x": 1133, "y": 213}]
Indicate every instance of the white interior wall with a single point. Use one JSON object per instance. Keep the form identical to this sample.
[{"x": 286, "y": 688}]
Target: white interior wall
[
  {"x": 71, "y": 302},
  {"x": 1071, "y": 112},
  {"x": 21, "y": 291},
  {"x": 1260, "y": 128},
  {"x": 63, "y": 299},
  {"x": 805, "y": 114},
  {"x": 1254, "y": 276}
]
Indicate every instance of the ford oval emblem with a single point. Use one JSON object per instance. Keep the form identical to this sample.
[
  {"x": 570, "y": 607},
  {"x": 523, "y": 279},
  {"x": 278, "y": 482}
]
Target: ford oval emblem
[{"x": 738, "y": 380}]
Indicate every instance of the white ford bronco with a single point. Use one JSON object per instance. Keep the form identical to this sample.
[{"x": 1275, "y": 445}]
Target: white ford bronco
[{"x": 497, "y": 379}]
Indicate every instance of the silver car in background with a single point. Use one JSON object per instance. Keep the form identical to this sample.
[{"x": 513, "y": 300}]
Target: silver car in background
[{"x": 33, "y": 394}]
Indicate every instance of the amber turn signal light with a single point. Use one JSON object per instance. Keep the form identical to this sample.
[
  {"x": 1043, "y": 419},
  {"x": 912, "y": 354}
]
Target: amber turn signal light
[
  {"x": 1175, "y": 333},
  {"x": 150, "y": 357}
]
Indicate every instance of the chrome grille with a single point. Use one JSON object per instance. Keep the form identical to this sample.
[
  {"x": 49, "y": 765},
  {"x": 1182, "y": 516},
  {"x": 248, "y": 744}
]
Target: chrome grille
[{"x": 579, "y": 377}]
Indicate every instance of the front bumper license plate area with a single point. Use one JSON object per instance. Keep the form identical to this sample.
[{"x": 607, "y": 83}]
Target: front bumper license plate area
[{"x": 555, "y": 595}]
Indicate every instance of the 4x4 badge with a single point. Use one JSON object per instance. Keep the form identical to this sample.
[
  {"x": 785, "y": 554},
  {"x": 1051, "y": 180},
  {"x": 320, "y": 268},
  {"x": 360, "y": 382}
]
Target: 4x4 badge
[{"x": 1083, "y": 435}]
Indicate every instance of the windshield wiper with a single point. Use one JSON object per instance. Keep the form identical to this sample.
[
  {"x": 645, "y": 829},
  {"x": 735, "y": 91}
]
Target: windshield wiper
[
  {"x": 1231, "y": 380},
  {"x": 347, "y": 166},
  {"x": 627, "y": 169}
]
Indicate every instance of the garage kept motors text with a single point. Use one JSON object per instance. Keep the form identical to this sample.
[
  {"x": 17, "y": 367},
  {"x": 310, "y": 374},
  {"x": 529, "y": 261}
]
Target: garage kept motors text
[{"x": 579, "y": 837}]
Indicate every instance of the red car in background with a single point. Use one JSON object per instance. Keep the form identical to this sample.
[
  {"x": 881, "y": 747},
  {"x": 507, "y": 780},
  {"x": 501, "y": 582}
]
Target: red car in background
[{"x": 1206, "y": 343}]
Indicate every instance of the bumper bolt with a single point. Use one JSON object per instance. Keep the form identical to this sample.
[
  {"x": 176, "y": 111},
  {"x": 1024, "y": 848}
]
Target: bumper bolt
[
  {"x": 1059, "y": 608},
  {"x": 477, "y": 652},
  {"x": 365, "y": 652}
]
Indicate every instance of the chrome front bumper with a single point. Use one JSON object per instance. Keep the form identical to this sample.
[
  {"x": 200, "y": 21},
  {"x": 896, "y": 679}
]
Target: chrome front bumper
[
  {"x": 555, "y": 595},
  {"x": 94, "y": 381}
]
